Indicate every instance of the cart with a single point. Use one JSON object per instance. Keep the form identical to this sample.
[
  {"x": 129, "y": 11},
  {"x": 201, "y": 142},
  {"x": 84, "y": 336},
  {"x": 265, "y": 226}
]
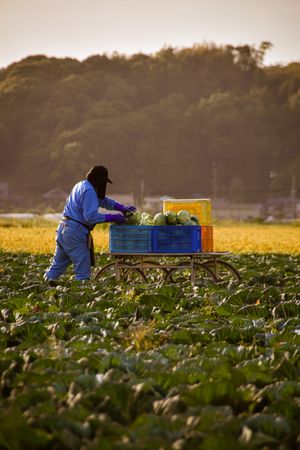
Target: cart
[{"x": 199, "y": 268}]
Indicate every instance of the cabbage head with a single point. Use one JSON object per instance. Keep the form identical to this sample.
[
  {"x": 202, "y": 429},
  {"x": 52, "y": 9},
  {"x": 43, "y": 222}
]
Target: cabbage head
[
  {"x": 146, "y": 219},
  {"x": 190, "y": 223},
  {"x": 195, "y": 219},
  {"x": 134, "y": 219},
  {"x": 159, "y": 219},
  {"x": 171, "y": 217},
  {"x": 183, "y": 216}
]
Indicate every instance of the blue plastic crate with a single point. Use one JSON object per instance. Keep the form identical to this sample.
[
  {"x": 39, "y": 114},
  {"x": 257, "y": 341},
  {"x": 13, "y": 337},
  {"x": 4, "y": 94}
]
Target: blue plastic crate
[
  {"x": 176, "y": 239},
  {"x": 130, "y": 239}
]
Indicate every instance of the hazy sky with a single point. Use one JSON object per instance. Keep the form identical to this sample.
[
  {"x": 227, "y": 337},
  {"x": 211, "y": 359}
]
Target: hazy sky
[{"x": 80, "y": 28}]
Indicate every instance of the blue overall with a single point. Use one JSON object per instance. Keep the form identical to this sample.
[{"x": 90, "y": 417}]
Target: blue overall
[{"x": 72, "y": 237}]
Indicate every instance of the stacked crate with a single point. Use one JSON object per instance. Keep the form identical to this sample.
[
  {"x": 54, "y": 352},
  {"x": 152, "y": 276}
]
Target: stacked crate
[
  {"x": 202, "y": 209},
  {"x": 207, "y": 238},
  {"x": 154, "y": 239},
  {"x": 130, "y": 239},
  {"x": 174, "y": 239}
]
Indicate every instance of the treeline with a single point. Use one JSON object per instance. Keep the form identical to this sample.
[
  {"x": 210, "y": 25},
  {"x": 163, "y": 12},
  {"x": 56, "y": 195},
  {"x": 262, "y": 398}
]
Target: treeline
[{"x": 205, "y": 120}]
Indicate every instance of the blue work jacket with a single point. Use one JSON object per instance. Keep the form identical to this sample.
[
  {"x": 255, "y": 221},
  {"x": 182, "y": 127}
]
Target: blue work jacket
[{"x": 83, "y": 204}]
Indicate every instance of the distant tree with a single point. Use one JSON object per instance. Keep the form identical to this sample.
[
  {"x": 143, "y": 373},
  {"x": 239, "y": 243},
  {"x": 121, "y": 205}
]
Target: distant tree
[
  {"x": 248, "y": 57},
  {"x": 182, "y": 120}
]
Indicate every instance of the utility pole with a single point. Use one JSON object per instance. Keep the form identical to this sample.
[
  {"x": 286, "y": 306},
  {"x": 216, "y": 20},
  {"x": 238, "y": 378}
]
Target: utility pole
[
  {"x": 214, "y": 180},
  {"x": 293, "y": 200},
  {"x": 142, "y": 193}
]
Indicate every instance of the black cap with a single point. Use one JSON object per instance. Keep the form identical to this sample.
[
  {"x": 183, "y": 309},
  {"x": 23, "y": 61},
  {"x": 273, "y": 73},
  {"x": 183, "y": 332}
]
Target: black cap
[{"x": 97, "y": 175}]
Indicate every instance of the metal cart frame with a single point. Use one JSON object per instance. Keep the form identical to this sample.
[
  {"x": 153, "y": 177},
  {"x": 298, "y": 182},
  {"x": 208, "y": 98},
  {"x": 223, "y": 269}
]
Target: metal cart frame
[{"x": 126, "y": 266}]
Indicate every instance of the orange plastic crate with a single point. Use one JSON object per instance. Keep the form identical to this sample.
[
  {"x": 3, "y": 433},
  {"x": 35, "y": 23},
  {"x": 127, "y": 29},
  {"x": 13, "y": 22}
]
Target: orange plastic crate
[
  {"x": 207, "y": 238},
  {"x": 201, "y": 207}
]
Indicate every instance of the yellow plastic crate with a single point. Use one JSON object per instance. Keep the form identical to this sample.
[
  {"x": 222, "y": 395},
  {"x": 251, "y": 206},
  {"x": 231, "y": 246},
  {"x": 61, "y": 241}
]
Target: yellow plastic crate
[{"x": 200, "y": 207}]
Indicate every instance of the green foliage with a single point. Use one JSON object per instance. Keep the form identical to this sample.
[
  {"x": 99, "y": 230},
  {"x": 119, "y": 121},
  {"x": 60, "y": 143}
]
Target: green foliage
[
  {"x": 143, "y": 366},
  {"x": 212, "y": 111}
]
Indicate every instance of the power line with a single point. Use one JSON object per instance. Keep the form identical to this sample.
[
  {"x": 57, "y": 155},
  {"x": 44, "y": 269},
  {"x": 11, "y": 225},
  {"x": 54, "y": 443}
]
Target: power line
[{"x": 246, "y": 191}]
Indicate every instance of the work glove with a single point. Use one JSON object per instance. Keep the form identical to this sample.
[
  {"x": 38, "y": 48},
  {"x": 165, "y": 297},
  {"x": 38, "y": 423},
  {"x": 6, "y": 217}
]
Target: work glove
[
  {"x": 124, "y": 209},
  {"x": 118, "y": 218}
]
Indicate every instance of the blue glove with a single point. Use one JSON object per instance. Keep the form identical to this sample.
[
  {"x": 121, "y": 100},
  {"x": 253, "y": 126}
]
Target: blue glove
[
  {"x": 118, "y": 218},
  {"x": 124, "y": 209}
]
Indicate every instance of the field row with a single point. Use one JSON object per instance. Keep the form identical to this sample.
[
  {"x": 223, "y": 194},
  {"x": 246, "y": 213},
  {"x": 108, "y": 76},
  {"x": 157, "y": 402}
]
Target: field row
[{"x": 235, "y": 238}]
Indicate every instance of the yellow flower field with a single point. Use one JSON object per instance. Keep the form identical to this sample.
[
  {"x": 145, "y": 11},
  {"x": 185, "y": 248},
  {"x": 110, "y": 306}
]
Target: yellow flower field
[
  {"x": 237, "y": 238},
  {"x": 40, "y": 239},
  {"x": 258, "y": 238}
]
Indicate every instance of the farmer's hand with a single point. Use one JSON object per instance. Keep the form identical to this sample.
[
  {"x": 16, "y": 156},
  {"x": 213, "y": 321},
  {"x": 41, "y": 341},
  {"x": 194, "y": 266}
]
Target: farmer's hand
[
  {"x": 117, "y": 218},
  {"x": 124, "y": 209},
  {"x": 130, "y": 209}
]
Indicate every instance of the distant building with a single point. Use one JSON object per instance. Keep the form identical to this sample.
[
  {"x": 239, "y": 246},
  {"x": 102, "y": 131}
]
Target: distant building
[
  {"x": 56, "y": 194},
  {"x": 283, "y": 207},
  {"x": 55, "y": 198},
  {"x": 223, "y": 209}
]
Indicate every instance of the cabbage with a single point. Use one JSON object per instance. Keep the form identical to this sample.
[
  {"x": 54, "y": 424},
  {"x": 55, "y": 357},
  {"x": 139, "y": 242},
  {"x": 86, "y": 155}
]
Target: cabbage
[
  {"x": 159, "y": 219},
  {"x": 171, "y": 217},
  {"x": 189, "y": 223},
  {"x": 270, "y": 424},
  {"x": 133, "y": 219},
  {"x": 195, "y": 219},
  {"x": 183, "y": 216},
  {"x": 146, "y": 219}
]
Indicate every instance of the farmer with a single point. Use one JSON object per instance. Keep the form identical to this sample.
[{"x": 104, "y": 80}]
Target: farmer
[{"x": 73, "y": 239}]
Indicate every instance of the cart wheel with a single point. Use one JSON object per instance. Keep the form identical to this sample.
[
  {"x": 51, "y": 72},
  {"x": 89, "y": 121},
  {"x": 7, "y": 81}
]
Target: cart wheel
[
  {"x": 154, "y": 274},
  {"x": 224, "y": 272},
  {"x": 203, "y": 277},
  {"x": 134, "y": 274},
  {"x": 108, "y": 274}
]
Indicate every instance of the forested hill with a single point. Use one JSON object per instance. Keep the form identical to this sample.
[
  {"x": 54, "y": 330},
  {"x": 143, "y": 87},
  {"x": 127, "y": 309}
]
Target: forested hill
[{"x": 204, "y": 120}]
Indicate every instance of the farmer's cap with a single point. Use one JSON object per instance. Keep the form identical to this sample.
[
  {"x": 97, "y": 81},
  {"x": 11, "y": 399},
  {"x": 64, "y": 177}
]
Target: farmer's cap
[{"x": 97, "y": 175}]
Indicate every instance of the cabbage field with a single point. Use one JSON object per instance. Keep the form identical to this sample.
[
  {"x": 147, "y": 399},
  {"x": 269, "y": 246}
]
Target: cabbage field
[{"x": 112, "y": 366}]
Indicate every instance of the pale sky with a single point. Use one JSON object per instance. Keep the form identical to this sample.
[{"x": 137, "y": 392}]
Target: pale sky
[{"x": 80, "y": 28}]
